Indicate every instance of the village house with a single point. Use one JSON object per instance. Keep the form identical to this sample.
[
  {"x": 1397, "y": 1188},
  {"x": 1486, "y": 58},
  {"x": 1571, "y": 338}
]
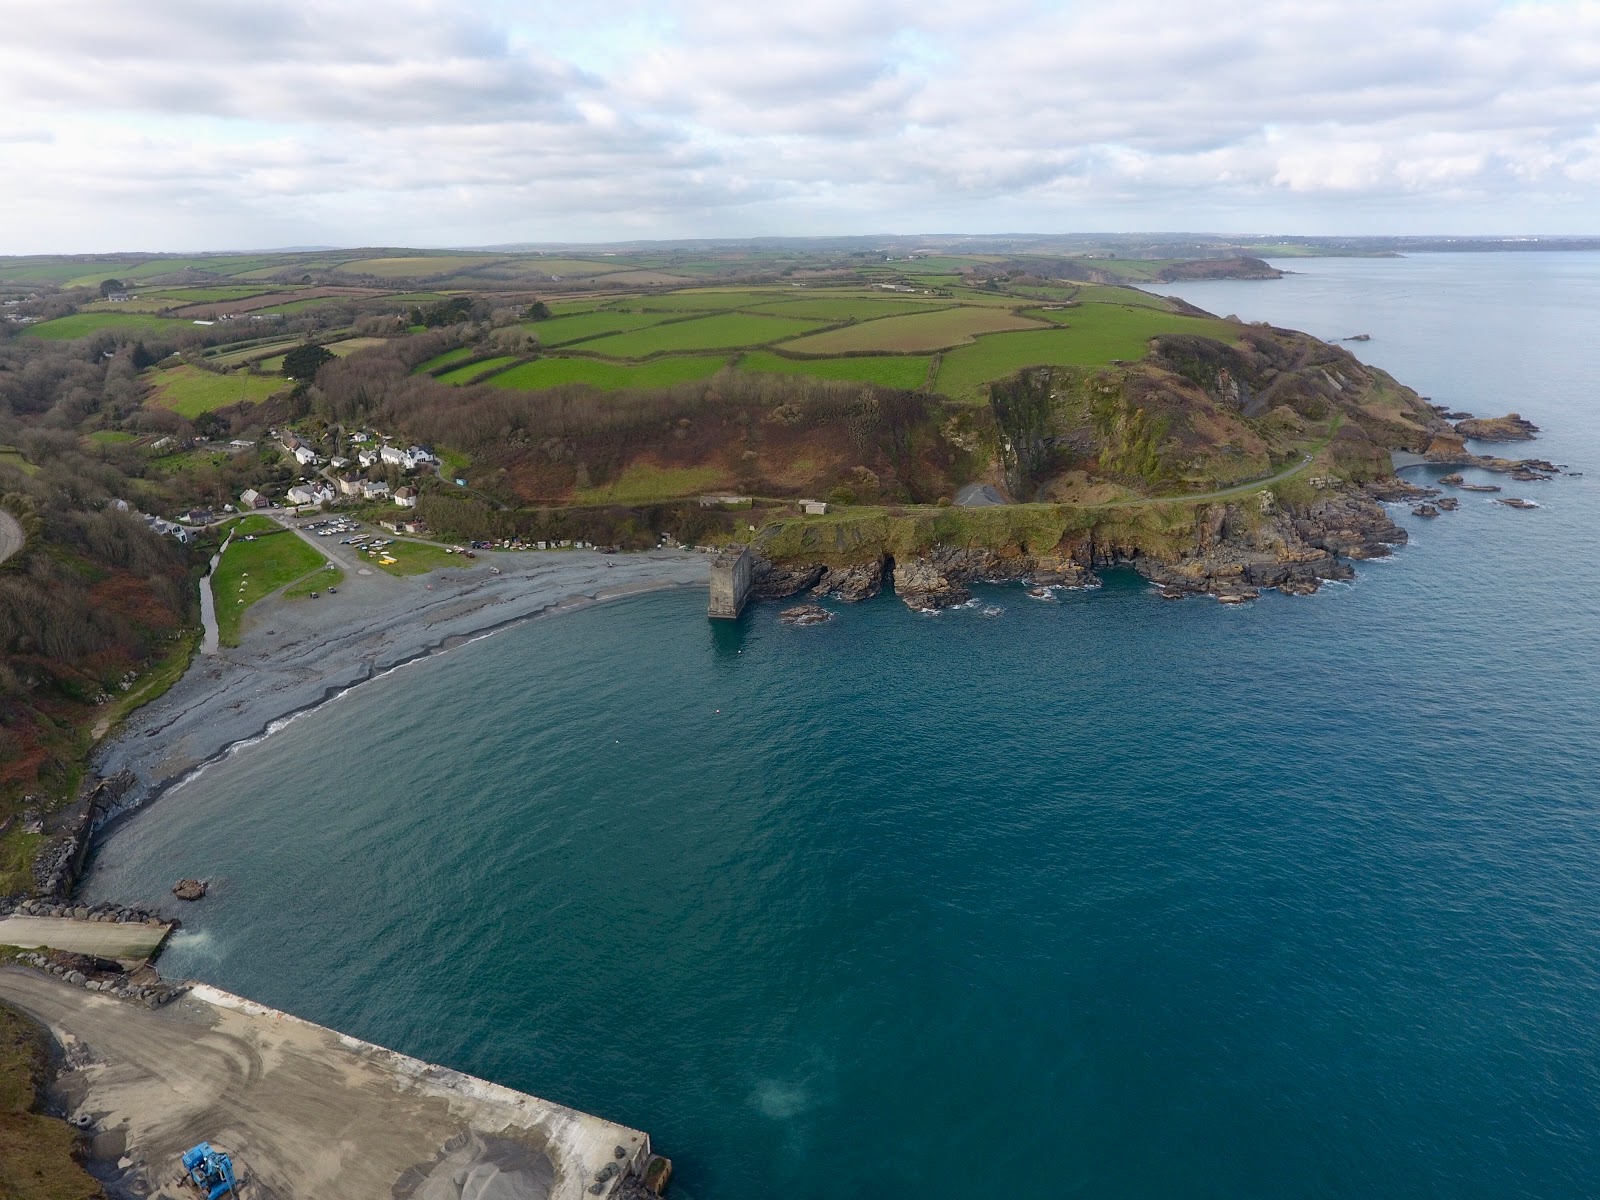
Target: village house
[
  {"x": 367, "y": 457},
  {"x": 349, "y": 487},
  {"x": 375, "y": 491},
  {"x": 310, "y": 493},
  {"x": 338, "y": 462},
  {"x": 406, "y": 497},
  {"x": 250, "y": 498}
]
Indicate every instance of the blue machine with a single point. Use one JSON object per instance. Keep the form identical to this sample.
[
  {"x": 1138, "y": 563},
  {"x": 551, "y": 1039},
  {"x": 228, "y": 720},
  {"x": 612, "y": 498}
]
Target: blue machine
[{"x": 209, "y": 1170}]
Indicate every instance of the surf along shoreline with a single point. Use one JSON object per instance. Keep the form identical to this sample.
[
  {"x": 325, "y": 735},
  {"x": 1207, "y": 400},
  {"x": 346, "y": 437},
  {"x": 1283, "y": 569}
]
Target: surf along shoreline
[{"x": 297, "y": 655}]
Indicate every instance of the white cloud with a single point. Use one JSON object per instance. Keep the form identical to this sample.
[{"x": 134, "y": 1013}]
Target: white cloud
[{"x": 179, "y": 124}]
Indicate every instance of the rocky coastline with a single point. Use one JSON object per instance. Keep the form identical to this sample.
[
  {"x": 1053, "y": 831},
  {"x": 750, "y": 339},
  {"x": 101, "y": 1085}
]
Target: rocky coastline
[{"x": 1236, "y": 550}]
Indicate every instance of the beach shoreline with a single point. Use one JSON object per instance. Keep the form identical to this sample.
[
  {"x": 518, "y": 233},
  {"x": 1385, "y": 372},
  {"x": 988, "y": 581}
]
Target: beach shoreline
[{"x": 297, "y": 655}]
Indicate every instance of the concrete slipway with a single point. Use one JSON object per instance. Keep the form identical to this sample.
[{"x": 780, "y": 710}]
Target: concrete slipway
[{"x": 307, "y": 1112}]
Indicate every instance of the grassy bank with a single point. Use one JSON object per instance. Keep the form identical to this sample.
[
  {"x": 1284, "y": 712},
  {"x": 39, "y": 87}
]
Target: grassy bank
[
  {"x": 251, "y": 570},
  {"x": 36, "y": 1152}
]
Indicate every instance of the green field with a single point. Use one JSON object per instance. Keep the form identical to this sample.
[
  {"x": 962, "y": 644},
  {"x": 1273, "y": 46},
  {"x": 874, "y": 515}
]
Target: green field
[
  {"x": 201, "y": 295},
  {"x": 416, "y": 558},
  {"x": 560, "y": 331},
  {"x": 658, "y": 372},
  {"x": 190, "y": 391},
  {"x": 351, "y": 345},
  {"x": 10, "y": 456},
  {"x": 641, "y": 483},
  {"x": 920, "y": 332},
  {"x": 466, "y": 374},
  {"x": 87, "y": 324},
  {"x": 1096, "y": 335},
  {"x": 418, "y": 266},
  {"x": 905, "y": 371},
  {"x": 726, "y": 331},
  {"x": 708, "y": 300},
  {"x": 847, "y": 307},
  {"x": 251, "y": 570},
  {"x": 317, "y": 581},
  {"x": 445, "y": 359}
]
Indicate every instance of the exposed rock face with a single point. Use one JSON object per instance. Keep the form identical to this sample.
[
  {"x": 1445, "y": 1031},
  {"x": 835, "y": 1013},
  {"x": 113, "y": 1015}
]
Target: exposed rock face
[
  {"x": 1395, "y": 488},
  {"x": 189, "y": 889},
  {"x": 860, "y": 582},
  {"x": 938, "y": 578},
  {"x": 770, "y": 582},
  {"x": 1238, "y": 549},
  {"x": 1447, "y": 504},
  {"x": 1425, "y": 510},
  {"x": 1510, "y": 428}
]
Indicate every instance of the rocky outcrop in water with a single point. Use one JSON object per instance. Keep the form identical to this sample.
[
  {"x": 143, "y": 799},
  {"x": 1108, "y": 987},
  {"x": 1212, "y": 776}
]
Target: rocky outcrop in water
[{"x": 1512, "y": 427}]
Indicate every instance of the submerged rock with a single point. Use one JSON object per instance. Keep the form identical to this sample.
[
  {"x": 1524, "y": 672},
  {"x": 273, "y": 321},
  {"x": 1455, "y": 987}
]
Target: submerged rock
[
  {"x": 1514, "y": 502},
  {"x": 805, "y": 614}
]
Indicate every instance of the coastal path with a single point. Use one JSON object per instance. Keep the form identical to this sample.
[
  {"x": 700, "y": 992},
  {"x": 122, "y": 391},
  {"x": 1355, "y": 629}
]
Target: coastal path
[
  {"x": 307, "y": 1113},
  {"x": 1238, "y": 489},
  {"x": 12, "y": 538},
  {"x": 125, "y": 941}
]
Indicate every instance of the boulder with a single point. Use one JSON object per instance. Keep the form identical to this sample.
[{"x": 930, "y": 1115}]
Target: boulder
[{"x": 189, "y": 889}]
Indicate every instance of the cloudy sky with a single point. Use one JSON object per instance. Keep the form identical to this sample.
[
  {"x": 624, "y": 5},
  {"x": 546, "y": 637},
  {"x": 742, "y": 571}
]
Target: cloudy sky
[{"x": 195, "y": 124}]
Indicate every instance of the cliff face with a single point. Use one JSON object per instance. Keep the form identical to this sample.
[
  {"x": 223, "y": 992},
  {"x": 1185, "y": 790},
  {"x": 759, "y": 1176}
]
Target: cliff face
[
  {"x": 1103, "y": 459},
  {"x": 1227, "y": 549}
]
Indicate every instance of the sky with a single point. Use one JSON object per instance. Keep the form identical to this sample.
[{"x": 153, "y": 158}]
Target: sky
[{"x": 199, "y": 124}]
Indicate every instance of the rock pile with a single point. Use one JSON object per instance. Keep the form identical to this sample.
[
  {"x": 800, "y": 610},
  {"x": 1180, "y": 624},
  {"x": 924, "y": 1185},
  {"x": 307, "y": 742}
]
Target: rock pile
[
  {"x": 111, "y": 913},
  {"x": 143, "y": 986}
]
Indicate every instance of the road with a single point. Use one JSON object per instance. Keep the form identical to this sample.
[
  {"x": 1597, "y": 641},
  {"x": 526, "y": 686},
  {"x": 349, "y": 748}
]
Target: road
[
  {"x": 11, "y": 536},
  {"x": 1238, "y": 489}
]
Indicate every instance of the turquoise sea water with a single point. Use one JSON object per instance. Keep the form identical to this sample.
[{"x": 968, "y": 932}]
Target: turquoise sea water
[{"x": 1112, "y": 897}]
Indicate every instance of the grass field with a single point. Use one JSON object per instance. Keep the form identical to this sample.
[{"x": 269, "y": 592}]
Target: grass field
[
  {"x": 658, "y": 372},
  {"x": 726, "y": 331},
  {"x": 641, "y": 483},
  {"x": 1096, "y": 335},
  {"x": 581, "y": 267},
  {"x": 419, "y": 266},
  {"x": 351, "y": 345},
  {"x": 906, "y": 371},
  {"x": 318, "y": 581},
  {"x": 415, "y": 558},
  {"x": 190, "y": 391},
  {"x": 559, "y": 331},
  {"x": 709, "y": 300},
  {"x": 842, "y": 308},
  {"x": 201, "y": 295},
  {"x": 471, "y": 371},
  {"x": 445, "y": 359},
  {"x": 233, "y": 358},
  {"x": 921, "y": 332},
  {"x": 10, "y": 456},
  {"x": 87, "y": 324},
  {"x": 252, "y": 570}
]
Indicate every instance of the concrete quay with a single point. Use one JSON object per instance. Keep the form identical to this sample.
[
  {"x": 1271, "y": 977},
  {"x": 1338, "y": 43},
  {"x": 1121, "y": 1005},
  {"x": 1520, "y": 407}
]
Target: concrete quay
[
  {"x": 307, "y": 1112},
  {"x": 126, "y": 942}
]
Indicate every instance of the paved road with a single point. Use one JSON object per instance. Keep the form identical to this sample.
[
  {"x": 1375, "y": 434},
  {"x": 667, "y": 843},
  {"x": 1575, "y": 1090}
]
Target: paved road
[{"x": 11, "y": 536}]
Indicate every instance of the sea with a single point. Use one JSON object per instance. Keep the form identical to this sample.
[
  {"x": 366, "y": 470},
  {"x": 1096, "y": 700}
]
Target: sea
[{"x": 1105, "y": 897}]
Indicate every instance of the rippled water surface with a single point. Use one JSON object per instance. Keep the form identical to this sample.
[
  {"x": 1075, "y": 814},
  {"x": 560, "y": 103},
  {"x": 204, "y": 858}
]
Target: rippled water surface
[{"x": 1111, "y": 897}]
